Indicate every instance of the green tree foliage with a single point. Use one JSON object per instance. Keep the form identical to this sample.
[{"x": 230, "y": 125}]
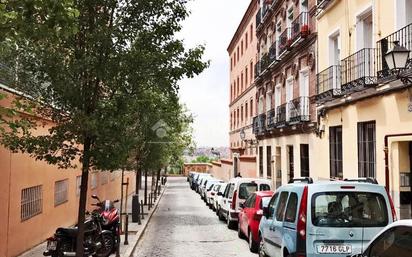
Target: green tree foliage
[
  {"x": 96, "y": 69},
  {"x": 203, "y": 159}
]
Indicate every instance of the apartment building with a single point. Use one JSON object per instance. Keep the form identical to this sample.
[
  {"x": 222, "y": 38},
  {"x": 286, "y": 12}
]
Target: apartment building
[
  {"x": 364, "y": 99},
  {"x": 36, "y": 198},
  {"x": 242, "y": 53},
  {"x": 285, "y": 80}
]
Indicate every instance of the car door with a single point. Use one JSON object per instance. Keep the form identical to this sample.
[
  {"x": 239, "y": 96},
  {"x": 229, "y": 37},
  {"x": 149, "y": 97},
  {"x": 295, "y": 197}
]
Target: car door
[
  {"x": 266, "y": 223},
  {"x": 243, "y": 214},
  {"x": 276, "y": 227},
  {"x": 249, "y": 212},
  {"x": 289, "y": 223}
]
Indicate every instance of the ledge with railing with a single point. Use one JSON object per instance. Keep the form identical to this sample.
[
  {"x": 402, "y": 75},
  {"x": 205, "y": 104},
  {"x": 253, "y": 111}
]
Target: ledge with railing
[
  {"x": 322, "y": 4},
  {"x": 281, "y": 115},
  {"x": 298, "y": 110},
  {"x": 262, "y": 65},
  {"x": 272, "y": 52},
  {"x": 258, "y": 18},
  {"x": 271, "y": 119},
  {"x": 328, "y": 83},
  {"x": 300, "y": 27},
  {"x": 359, "y": 70},
  {"x": 404, "y": 38},
  {"x": 284, "y": 41}
]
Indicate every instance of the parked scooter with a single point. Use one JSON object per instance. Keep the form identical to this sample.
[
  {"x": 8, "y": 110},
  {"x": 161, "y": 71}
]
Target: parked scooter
[
  {"x": 111, "y": 218},
  {"x": 97, "y": 242}
]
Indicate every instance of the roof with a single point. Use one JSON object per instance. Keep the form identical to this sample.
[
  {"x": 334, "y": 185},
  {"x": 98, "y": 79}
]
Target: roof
[{"x": 242, "y": 23}]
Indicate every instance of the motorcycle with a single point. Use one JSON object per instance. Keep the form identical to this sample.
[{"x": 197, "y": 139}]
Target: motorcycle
[
  {"x": 111, "y": 218},
  {"x": 97, "y": 242}
]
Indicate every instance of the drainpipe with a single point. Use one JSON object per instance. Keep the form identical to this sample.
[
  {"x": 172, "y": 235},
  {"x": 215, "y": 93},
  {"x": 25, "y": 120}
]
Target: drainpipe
[{"x": 386, "y": 150}]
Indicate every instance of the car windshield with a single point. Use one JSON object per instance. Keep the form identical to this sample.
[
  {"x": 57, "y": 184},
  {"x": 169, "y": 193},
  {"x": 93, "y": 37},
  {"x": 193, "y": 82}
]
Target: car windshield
[
  {"x": 349, "y": 209},
  {"x": 245, "y": 189}
]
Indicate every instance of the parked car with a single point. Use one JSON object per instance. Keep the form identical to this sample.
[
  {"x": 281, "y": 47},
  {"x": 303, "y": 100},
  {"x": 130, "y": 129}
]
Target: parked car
[
  {"x": 327, "y": 218},
  {"x": 219, "y": 198},
  {"x": 210, "y": 192},
  {"x": 199, "y": 180},
  {"x": 190, "y": 178},
  {"x": 204, "y": 186},
  {"x": 236, "y": 193},
  {"x": 250, "y": 215},
  {"x": 395, "y": 240}
]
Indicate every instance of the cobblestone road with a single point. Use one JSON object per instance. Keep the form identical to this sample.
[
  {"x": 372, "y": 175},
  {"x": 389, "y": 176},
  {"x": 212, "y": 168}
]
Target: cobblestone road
[{"x": 183, "y": 226}]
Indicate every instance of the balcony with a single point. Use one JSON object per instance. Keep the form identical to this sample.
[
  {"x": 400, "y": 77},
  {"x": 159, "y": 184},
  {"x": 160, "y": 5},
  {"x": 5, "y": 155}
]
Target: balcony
[
  {"x": 255, "y": 125},
  {"x": 281, "y": 115},
  {"x": 258, "y": 18},
  {"x": 298, "y": 110},
  {"x": 404, "y": 37},
  {"x": 259, "y": 124},
  {"x": 328, "y": 83},
  {"x": 284, "y": 41},
  {"x": 262, "y": 65},
  {"x": 272, "y": 52},
  {"x": 300, "y": 28},
  {"x": 271, "y": 119},
  {"x": 359, "y": 70}
]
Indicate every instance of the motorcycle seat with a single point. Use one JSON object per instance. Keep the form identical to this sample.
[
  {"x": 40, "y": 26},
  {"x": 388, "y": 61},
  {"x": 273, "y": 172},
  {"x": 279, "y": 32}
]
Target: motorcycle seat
[{"x": 68, "y": 231}]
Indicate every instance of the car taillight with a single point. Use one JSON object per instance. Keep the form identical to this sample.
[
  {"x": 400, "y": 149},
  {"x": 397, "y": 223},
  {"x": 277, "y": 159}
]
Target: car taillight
[
  {"x": 233, "y": 205},
  {"x": 51, "y": 239},
  {"x": 258, "y": 215},
  {"x": 302, "y": 214},
  {"x": 394, "y": 218}
]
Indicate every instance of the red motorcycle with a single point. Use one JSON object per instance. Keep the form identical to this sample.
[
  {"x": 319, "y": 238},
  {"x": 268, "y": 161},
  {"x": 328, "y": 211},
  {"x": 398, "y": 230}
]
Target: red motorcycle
[{"x": 111, "y": 218}]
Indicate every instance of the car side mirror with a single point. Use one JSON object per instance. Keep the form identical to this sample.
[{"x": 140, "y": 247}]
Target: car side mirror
[
  {"x": 241, "y": 205},
  {"x": 266, "y": 212}
]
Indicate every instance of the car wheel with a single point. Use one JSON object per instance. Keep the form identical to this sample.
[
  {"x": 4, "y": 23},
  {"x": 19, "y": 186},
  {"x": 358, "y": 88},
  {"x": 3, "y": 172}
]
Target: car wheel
[
  {"x": 220, "y": 215},
  {"x": 262, "y": 250},
  {"x": 230, "y": 224},
  {"x": 253, "y": 246},
  {"x": 239, "y": 232}
]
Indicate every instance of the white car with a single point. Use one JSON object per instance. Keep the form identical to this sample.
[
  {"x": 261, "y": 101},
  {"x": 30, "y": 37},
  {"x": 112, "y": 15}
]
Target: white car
[
  {"x": 236, "y": 193},
  {"x": 395, "y": 240},
  {"x": 211, "y": 192},
  {"x": 219, "y": 190}
]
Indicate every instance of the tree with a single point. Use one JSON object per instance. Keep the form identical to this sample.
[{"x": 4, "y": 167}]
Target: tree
[
  {"x": 82, "y": 63},
  {"x": 203, "y": 159}
]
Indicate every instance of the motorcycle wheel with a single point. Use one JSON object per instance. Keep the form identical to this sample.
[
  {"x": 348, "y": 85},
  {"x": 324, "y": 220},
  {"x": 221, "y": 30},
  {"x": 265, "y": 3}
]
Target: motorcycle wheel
[
  {"x": 107, "y": 248},
  {"x": 64, "y": 247}
]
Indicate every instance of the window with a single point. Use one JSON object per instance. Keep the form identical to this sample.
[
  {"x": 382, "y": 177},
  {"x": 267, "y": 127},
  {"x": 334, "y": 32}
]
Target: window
[
  {"x": 78, "y": 184},
  {"x": 292, "y": 207},
  {"x": 366, "y": 149},
  {"x": 230, "y": 191},
  {"x": 231, "y": 63},
  {"x": 335, "y": 152},
  {"x": 251, "y": 32},
  {"x": 234, "y": 59},
  {"x": 334, "y": 49},
  {"x": 31, "y": 202},
  {"x": 246, "y": 77},
  {"x": 241, "y": 47},
  {"x": 251, "y": 70},
  {"x": 103, "y": 178},
  {"x": 268, "y": 161},
  {"x": 272, "y": 204},
  {"x": 261, "y": 161},
  {"x": 238, "y": 53},
  {"x": 60, "y": 192},
  {"x": 246, "y": 40},
  {"x": 241, "y": 114},
  {"x": 241, "y": 81},
  {"x": 93, "y": 182},
  {"x": 304, "y": 160},
  {"x": 280, "y": 209},
  {"x": 246, "y": 189},
  {"x": 264, "y": 187},
  {"x": 396, "y": 241},
  {"x": 238, "y": 86},
  {"x": 349, "y": 209},
  {"x": 246, "y": 110},
  {"x": 250, "y": 202},
  {"x": 251, "y": 107}
]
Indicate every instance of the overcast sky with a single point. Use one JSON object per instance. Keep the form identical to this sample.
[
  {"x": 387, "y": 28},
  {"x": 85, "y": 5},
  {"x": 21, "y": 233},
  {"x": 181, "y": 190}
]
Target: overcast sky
[{"x": 212, "y": 23}]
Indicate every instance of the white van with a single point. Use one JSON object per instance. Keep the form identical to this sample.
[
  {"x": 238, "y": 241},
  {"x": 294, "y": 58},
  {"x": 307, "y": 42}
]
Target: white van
[{"x": 237, "y": 190}]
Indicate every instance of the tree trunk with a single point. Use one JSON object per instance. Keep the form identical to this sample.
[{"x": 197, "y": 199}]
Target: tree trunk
[
  {"x": 157, "y": 179},
  {"x": 145, "y": 186},
  {"x": 83, "y": 197}
]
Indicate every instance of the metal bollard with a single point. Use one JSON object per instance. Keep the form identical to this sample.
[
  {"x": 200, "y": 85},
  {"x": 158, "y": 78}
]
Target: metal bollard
[
  {"x": 142, "y": 211},
  {"x": 150, "y": 201},
  {"x": 126, "y": 230}
]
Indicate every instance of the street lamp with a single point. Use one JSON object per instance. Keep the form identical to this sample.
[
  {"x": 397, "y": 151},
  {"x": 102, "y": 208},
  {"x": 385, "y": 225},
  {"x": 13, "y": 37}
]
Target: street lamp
[
  {"x": 397, "y": 57},
  {"x": 242, "y": 134}
]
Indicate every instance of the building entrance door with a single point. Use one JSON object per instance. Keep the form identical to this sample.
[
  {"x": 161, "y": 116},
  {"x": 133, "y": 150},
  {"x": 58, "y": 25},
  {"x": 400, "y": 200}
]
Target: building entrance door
[{"x": 405, "y": 183}]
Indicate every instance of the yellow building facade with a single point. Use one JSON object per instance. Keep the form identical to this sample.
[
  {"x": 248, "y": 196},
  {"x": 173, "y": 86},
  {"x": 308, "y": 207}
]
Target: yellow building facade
[{"x": 364, "y": 109}]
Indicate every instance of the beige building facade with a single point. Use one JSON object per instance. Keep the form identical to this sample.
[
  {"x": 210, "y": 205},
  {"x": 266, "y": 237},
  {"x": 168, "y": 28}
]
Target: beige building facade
[
  {"x": 242, "y": 53},
  {"x": 364, "y": 110}
]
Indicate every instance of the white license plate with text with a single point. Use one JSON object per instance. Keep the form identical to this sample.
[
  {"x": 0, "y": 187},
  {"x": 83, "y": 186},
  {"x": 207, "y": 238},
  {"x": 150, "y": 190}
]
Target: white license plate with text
[
  {"x": 334, "y": 248},
  {"x": 51, "y": 245}
]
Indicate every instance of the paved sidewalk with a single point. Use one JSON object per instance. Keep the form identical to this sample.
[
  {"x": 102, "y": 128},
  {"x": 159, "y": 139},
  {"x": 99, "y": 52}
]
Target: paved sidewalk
[{"x": 135, "y": 230}]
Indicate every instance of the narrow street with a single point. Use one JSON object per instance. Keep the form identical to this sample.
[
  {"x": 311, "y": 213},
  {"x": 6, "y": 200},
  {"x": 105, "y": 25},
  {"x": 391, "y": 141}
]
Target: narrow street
[{"x": 184, "y": 226}]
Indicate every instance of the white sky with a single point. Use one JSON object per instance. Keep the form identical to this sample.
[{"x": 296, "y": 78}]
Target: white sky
[{"x": 212, "y": 23}]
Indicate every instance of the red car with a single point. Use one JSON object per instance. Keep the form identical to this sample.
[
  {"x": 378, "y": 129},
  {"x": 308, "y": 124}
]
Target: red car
[{"x": 249, "y": 218}]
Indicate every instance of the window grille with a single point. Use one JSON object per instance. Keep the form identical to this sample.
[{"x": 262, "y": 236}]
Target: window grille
[
  {"x": 93, "y": 182},
  {"x": 335, "y": 152},
  {"x": 31, "y": 202},
  {"x": 78, "y": 184},
  {"x": 366, "y": 149},
  {"x": 60, "y": 192}
]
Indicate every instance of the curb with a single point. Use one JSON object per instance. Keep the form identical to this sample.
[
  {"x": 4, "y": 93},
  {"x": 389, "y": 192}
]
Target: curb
[{"x": 147, "y": 223}]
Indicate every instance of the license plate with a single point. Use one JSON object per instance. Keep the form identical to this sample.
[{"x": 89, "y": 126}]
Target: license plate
[
  {"x": 334, "y": 248},
  {"x": 51, "y": 245}
]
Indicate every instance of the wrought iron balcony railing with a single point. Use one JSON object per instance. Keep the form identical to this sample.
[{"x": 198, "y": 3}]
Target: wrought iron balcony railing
[
  {"x": 404, "y": 37},
  {"x": 265, "y": 10},
  {"x": 298, "y": 110},
  {"x": 6, "y": 75},
  {"x": 271, "y": 119},
  {"x": 281, "y": 115},
  {"x": 300, "y": 27},
  {"x": 359, "y": 70},
  {"x": 284, "y": 41},
  {"x": 262, "y": 65},
  {"x": 255, "y": 125},
  {"x": 322, "y": 4},
  {"x": 328, "y": 83},
  {"x": 261, "y": 123},
  {"x": 272, "y": 52}
]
